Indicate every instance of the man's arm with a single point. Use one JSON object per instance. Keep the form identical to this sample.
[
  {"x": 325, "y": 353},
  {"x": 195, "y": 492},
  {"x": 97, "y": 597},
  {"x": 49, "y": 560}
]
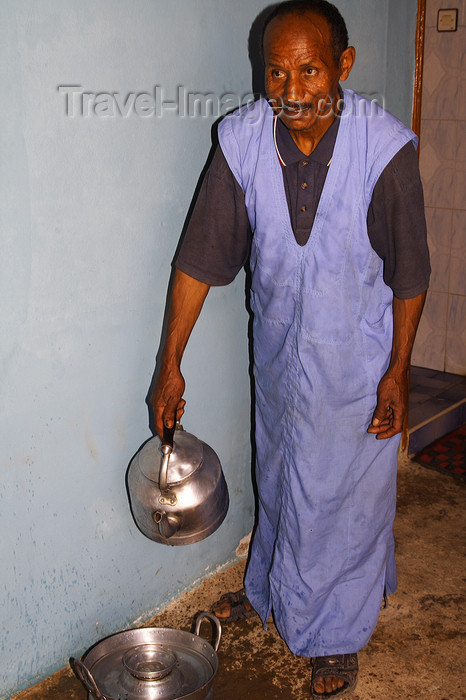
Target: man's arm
[
  {"x": 187, "y": 298},
  {"x": 204, "y": 255},
  {"x": 392, "y": 393}
]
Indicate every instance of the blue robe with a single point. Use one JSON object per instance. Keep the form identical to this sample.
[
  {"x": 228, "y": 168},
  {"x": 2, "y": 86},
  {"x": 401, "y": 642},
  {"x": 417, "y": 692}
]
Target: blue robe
[{"x": 323, "y": 550}]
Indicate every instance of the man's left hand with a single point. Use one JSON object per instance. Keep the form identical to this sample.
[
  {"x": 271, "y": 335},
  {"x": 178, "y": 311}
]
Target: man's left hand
[
  {"x": 392, "y": 404},
  {"x": 392, "y": 392}
]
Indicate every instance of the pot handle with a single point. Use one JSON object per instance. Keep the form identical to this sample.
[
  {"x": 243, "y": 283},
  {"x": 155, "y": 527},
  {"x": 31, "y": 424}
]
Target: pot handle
[
  {"x": 87, "y": 679},
  {"x": 167, "y": 449},
  {"x": 215, "y": 623}
]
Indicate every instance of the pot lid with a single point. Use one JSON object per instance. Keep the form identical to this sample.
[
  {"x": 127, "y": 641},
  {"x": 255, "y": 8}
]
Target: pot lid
[
  {"x": 151, "y": 664},
  {"x": 186, "y": 458}
]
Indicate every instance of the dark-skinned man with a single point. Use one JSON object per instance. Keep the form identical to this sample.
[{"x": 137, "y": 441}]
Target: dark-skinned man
[{"x": 320, "y": 190}]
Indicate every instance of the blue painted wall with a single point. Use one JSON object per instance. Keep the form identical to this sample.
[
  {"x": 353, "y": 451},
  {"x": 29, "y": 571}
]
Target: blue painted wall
[{"x": 92, "y": 209}]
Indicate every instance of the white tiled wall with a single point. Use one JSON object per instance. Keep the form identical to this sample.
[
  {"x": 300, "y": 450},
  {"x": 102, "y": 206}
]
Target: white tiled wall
[{"x": 441, "y": 339}]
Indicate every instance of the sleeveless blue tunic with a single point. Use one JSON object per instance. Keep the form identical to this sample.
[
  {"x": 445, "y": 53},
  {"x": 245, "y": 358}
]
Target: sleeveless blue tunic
[{"x": 323, "y": 550}]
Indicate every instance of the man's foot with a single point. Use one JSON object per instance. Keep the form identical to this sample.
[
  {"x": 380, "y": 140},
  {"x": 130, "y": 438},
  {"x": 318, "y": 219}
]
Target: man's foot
[
  {"x": 233, "y": 606},
  {"x": 334, "y": 676}
]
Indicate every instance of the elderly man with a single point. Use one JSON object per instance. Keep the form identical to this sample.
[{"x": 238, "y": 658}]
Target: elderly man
[{"x": 321, "y": 191}]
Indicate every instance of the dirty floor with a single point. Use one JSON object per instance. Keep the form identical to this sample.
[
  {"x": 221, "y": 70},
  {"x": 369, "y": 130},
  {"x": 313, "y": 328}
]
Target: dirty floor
[{"x": 418, "y": 650}]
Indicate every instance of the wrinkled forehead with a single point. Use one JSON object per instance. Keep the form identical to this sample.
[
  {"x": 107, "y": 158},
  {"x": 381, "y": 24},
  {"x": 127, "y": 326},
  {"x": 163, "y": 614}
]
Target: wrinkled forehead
[
  {"x": 286, "y": 32},
  {"x": 303, "y": 32}
]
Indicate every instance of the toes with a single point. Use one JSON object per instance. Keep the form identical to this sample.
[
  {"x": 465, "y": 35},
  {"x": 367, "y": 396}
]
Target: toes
[
  {"x": 337, "y": 683},
  {"x": 222, "y": 610},
  {"x": 342, "y": 674},
  {"x": 232, "y": 606},
  {"x": 333, "y": 683},
  {"x": 328, "y": 685}
]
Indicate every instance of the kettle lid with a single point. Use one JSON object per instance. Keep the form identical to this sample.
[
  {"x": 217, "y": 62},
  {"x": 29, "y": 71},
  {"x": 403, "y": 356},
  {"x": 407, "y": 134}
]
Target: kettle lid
[{"x": 186, "y": 458}]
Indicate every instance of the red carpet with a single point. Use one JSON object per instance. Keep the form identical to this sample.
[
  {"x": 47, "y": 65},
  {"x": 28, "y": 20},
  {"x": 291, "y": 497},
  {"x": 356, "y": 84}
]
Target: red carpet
[{"x": 447, "y": 455}]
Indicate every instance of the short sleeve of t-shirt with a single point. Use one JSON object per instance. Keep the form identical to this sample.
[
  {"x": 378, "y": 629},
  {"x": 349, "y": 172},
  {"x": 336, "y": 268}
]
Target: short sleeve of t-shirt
[
  {"x": 218, "y": 237},
  {"x": 396, "y": 225}
]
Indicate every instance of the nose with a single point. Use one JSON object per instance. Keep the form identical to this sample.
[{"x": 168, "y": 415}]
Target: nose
[{"x": 292, "y": 92}]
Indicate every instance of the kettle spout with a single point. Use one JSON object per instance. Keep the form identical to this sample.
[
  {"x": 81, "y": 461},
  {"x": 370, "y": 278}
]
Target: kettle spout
[{"x": 168, "y": 523}]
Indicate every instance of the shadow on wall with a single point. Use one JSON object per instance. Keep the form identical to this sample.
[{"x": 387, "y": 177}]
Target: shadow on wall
[
  {"x": 255, "y": 51},
  {"x": 258, "y": 89}
]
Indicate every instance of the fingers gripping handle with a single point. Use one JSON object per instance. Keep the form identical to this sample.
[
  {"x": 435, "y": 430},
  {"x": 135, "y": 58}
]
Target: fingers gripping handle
[{"x": 168, "y": 434}]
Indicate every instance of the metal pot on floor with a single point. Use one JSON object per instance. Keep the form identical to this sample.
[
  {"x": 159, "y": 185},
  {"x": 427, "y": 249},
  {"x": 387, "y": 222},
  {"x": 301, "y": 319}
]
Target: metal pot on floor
[{"x": 151, "y": 663}]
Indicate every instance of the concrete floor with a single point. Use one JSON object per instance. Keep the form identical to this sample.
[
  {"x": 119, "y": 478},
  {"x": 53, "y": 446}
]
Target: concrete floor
[{"x": 418, "y": 649}]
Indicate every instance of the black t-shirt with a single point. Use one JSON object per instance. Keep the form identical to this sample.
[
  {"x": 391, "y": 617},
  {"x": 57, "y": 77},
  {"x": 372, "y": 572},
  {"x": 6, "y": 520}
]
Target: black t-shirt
[{"x": 218, "y": 237}]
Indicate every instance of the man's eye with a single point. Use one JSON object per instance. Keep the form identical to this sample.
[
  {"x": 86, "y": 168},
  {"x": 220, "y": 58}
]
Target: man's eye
[
  {"x": 277, "y": 74},
  {"x": 310, "y": 71}
]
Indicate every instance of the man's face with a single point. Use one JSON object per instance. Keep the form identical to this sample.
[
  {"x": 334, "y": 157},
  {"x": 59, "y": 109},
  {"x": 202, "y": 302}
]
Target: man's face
[{"x": 301, "y": 76}]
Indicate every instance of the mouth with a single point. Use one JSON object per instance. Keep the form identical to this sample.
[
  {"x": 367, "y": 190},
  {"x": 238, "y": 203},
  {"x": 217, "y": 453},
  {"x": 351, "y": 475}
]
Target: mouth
[
  {"x": 319, "y": 107},
  {"x": 293, "y": 110}
]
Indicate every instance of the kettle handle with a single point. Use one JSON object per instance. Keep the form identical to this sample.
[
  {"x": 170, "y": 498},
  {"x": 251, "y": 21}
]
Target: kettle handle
[
  {"x": 168, "y": 434},
  {"x": 167, "y": 449}
]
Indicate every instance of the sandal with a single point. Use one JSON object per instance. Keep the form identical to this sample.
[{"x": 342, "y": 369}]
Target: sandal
[
  {"x": 339, "y": 665},
  {"x": 240, "y": 607}
]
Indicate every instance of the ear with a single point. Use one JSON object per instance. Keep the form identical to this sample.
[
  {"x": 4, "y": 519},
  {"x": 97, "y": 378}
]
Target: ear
[{"x": 347, "y": 60}]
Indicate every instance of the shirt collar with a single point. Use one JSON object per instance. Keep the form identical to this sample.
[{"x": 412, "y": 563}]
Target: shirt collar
[{"x": 289, "y": 153}]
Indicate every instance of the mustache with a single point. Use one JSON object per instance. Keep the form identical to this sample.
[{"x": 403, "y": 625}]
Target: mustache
[
  {"x": 320, "y": 103},
  {"x": 290, "y": 105},
  {"x": 297, "y": 106}
]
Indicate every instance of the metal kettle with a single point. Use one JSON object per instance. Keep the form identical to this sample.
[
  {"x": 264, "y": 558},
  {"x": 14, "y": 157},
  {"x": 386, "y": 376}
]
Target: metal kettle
[{"x": 177, "y": 491}]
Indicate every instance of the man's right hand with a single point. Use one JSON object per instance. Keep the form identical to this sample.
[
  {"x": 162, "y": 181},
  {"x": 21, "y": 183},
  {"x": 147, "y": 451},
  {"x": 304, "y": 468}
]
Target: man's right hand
[
  {"x": 166, "y": 399},
  {"x": 187, "y": 298}
]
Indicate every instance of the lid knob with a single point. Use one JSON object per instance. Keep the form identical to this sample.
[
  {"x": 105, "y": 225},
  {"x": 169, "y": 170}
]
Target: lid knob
[{"x": 149, "y": 662}]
